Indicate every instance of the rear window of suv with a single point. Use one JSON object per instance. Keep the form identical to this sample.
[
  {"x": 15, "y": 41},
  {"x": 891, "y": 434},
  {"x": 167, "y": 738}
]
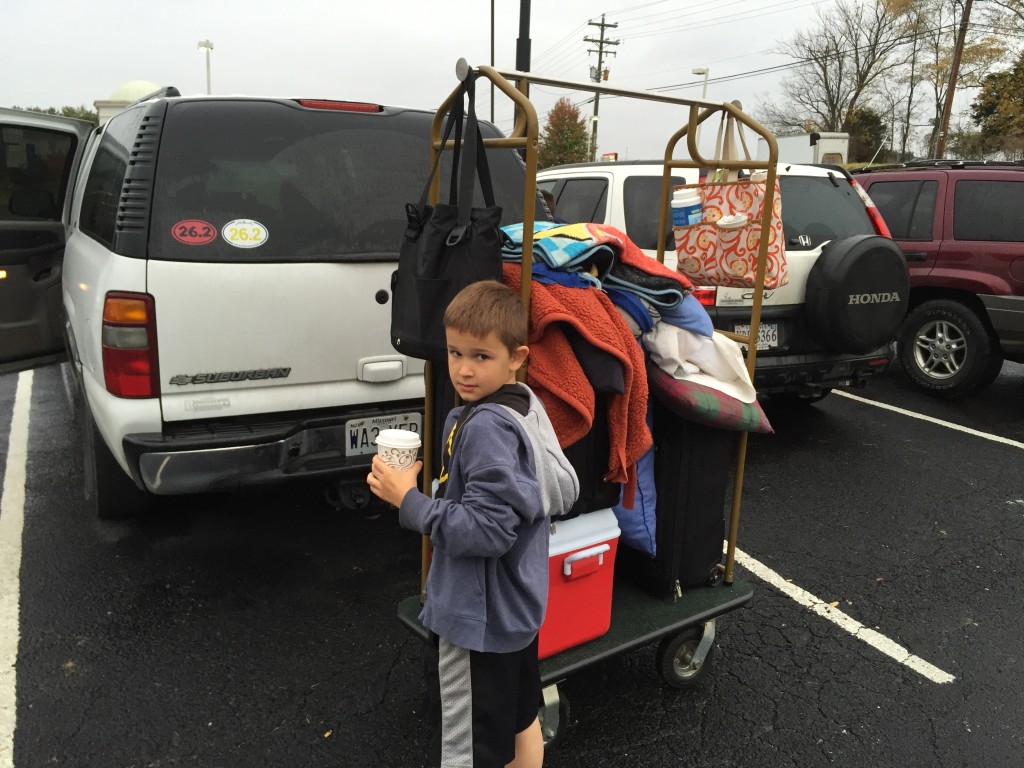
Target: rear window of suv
[
  {"x": 988, "y": 210},
  {"x": 254, "y": 181},
  {"x": 820, "y": 208}
]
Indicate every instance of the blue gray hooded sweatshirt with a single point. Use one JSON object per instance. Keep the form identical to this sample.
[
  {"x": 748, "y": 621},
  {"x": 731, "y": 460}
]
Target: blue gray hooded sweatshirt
[{"x": 487, "y": 588}]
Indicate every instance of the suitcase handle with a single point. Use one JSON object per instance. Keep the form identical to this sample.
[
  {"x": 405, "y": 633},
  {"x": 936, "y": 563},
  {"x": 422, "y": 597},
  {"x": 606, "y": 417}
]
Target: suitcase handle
[{"x": 584, "y": 554}]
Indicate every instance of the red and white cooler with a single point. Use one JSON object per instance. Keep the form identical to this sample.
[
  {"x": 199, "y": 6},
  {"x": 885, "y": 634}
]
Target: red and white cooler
[{"x": 581, "y": 566}]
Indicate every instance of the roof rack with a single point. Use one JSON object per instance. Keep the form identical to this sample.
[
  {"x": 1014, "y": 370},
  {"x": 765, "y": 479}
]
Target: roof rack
[
  {"x": 941, "y": 163},
  {"x": 169, "y": 90}
]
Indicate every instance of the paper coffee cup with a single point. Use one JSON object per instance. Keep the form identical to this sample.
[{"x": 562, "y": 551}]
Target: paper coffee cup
[{"x": 398, "y": 448}]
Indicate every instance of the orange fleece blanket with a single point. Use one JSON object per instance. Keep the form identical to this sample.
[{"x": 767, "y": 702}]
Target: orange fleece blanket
[{"x": 556, "y": 376}]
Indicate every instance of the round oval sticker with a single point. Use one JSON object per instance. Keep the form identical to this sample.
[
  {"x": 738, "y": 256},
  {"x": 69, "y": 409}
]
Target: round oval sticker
[
  {"x": 244, "y": 233},
  {"x": 194, "y": 232}
]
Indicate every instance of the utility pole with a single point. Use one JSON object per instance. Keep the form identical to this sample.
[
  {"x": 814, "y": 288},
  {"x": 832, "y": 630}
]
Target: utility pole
[
  {"x": 209, "y": 47},
  {"x": 954, "y": 71},
  {"x": 598, "y": 74}
]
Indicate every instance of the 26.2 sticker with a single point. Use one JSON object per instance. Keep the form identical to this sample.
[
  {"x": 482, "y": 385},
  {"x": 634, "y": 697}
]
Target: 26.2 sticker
[
  {"x": 194, "y": 232},
  {"x": 244, "y": 233}
]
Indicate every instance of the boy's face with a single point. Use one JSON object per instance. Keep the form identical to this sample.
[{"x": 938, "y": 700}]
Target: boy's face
[{"x": 478, "y": 367}]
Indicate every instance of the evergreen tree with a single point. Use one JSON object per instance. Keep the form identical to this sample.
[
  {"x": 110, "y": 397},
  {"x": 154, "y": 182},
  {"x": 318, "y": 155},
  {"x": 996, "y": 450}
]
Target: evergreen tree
[
  {"x": 998, "y": 110},
  {"x": 564, "y": 139},
  {"x": 81, "y": 112}
]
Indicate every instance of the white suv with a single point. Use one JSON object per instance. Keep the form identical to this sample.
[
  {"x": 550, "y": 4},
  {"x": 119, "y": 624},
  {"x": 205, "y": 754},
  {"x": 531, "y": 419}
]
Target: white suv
[
  {"x": 816, "y": 333},
  {"x": 219, "y": 270}
]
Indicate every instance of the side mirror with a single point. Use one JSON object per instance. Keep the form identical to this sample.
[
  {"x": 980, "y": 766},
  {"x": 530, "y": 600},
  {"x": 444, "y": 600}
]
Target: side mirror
[{"x": 33, "y": 204}]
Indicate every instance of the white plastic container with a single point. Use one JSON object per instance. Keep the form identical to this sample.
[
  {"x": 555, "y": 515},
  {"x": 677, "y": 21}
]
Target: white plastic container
[{"x": 687, "y": 207}]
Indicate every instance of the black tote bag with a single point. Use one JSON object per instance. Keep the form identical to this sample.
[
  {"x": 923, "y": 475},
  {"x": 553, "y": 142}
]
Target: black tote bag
[{"x": 448, "y": 246}]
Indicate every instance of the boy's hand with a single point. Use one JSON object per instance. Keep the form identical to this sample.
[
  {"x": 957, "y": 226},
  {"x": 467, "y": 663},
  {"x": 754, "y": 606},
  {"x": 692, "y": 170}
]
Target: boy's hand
[{"x": 389, "y": 484}]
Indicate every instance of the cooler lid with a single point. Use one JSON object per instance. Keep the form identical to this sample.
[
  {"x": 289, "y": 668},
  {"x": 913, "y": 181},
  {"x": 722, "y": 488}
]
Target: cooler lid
[{"x": 583, "y": 531}]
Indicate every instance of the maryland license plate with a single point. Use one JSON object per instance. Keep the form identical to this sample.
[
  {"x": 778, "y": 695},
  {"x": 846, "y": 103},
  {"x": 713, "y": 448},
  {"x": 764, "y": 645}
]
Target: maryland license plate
[{"x": 767, "y": 335}]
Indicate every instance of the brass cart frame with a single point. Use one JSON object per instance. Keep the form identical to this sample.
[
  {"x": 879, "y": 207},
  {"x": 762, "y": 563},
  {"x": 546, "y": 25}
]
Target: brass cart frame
[
  {"x": 684, "y": 627},
  {"x": 524, "y": 136}
]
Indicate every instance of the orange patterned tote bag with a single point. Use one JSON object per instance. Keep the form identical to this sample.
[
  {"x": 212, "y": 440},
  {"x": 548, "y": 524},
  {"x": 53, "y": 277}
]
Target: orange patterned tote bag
[{"x": 722, "y": 249}]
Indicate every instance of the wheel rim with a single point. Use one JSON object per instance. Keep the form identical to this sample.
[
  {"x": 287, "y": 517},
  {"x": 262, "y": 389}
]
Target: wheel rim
[
  {"x": 683, "y": 664},
  {"x": 940, "y": 349}
]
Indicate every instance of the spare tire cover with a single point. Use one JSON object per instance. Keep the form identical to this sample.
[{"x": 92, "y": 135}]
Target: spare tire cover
[{"x": 857, "y": 293}]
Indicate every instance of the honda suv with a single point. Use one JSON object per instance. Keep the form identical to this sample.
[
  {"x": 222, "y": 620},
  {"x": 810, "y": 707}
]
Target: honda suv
[
  {"x": 831, "y": 325},
  {"x": 219, "y": 272},
  {"x": 961, "y": 228}
]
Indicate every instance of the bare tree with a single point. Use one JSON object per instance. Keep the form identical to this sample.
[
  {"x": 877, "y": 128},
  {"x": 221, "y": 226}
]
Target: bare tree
[{"x": 843, "y": 60}]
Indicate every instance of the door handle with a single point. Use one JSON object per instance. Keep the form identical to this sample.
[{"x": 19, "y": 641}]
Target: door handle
[{"x": 915, "y": 256}]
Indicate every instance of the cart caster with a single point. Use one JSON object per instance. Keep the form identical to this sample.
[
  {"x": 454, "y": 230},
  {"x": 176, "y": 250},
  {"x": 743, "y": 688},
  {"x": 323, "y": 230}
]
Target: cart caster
[
  {"x": 684, "y": 658},
  {"x": 553, "y": 714}
]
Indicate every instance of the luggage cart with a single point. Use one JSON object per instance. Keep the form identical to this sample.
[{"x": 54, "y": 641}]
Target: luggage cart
[{"x": 683, "y": 626}]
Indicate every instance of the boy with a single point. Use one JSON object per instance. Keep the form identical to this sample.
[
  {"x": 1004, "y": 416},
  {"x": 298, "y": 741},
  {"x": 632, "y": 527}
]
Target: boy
[{"x": 502, "y": 475}]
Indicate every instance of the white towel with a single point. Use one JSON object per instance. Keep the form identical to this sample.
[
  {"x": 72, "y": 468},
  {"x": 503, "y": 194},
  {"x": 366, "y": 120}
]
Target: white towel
[{"x": 716, "y": 362}]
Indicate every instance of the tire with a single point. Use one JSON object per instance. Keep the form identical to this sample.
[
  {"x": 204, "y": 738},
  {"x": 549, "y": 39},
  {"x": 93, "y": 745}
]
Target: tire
[
  {"x": 675, "y": 658},
  {"x": 857, "y": 294},
  {"x": 946, "y": 349},
  {"x": 109, "y": 492}
]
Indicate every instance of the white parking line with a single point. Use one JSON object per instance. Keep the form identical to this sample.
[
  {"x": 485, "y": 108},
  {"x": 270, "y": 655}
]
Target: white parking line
[
  {"x": 873, "y": 638},
  {"x": 12, "y": 519},
  {"x": 940, "y": 422}
]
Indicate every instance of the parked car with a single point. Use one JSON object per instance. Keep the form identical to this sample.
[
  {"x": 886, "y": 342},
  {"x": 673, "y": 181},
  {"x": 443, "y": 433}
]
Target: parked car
[
  {"x": 960, "y": 226},
  {"x": 219, "y": 271},
  {"x": 816, "y": 333}
]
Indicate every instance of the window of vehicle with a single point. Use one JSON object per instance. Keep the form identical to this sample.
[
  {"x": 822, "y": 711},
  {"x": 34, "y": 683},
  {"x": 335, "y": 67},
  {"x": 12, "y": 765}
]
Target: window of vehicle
[
  {"x": 582, "y": 200},
  {"x": 34, "y": 167},
  {"x": 641, "y": 197},
  {"x": 908, "y": 207},
  {"x": 102, "y": 195},
  {"x": 988, "y": 210},
  {"x": 269, "y": 182},
  {"x": 820, "y": 208}
]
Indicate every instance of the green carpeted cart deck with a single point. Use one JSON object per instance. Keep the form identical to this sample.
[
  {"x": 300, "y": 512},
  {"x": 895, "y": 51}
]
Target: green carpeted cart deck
[{"x": 637, "y": 620}]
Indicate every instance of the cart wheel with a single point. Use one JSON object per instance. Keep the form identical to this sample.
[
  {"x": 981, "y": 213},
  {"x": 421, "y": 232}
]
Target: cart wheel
[
  {"x": 684, "y": 658},
  {"x": 553, "y": 714}
]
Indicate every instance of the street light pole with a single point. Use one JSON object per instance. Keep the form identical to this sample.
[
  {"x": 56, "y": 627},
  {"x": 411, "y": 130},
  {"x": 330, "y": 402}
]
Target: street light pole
[
  {"x": 704, "y": 95},
  {"x": 209, "y": 47}
]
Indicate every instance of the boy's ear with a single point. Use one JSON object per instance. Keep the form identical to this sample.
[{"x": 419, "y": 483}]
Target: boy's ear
[{"x": 519, "y": 356}]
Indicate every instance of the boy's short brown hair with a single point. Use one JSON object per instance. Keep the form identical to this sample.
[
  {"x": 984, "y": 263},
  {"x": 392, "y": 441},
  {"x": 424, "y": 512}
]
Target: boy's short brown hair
[{"x": 486, "y": 307}]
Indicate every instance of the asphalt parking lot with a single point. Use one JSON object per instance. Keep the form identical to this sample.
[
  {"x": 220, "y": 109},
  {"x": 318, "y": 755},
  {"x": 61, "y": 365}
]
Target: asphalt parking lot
[{"x": 259, "y": 629}]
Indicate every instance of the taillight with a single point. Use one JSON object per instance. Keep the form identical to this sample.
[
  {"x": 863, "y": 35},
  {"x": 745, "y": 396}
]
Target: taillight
[
  {"x": 342, "y": 106},
  {"x": 129, "y": 345},
  {"x": 706, "y": 296},
  {"x": 881, "y": 228}
]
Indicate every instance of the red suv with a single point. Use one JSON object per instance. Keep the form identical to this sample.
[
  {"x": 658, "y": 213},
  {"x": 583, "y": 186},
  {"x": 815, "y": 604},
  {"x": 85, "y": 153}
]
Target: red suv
[{"x": 961, "y": 228}]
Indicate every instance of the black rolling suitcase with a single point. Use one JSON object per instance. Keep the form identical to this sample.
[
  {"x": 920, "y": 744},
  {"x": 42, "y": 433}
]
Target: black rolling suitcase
[{"x": 692, "y": 464}]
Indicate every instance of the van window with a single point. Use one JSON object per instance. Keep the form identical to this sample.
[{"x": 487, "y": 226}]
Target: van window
[
  {"x": 582, "y": 200},
  {"x": 908, "y": 207},
  {"x": 252, "y": 181},
  {"x": 34, "y": 167},
  {"x": 98, "y": 215},
  {"x": 988, "y": 210},
  {"x": 821, "y": 208},
  {"x": 641, "y": 196}
]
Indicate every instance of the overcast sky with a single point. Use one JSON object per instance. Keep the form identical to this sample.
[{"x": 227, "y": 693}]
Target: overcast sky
[{"x": 71, "y": 52}]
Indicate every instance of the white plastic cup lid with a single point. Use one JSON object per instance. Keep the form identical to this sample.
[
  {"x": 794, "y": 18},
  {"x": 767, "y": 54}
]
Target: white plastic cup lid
[{"x": 398, "y": 438}]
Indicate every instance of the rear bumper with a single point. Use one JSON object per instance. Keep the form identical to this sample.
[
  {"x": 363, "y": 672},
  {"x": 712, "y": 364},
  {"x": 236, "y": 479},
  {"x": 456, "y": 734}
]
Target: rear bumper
[
  {"x": 223, "y": 456},
  {"x": 810, "y": 373}
]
